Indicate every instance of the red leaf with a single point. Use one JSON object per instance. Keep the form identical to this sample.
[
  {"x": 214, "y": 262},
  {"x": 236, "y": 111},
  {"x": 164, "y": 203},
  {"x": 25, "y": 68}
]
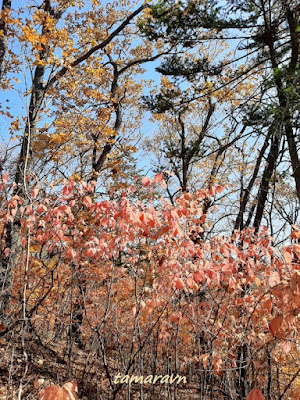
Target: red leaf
[
  {"x": 275, "y": 325},
  {"x": 87, "y": 200},
  {"x": 255, "y": 394},
  {"x": 164, "y": 230},
  {"x": 90, "y": 252},
  {"x": 70, "y": 253},
  {"x": 268, "y": 305},
  {"x": 41, "y": 208},
  {"x": 198, "y": 276}
]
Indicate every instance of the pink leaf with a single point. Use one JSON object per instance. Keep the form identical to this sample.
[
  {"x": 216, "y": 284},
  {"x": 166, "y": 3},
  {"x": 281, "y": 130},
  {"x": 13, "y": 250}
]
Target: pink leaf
[
  {"x": 190, "y": 281},
  {"x": 274, "y": 279},
  {"x": 286, "y": 347},
  {"x": 160, "y": 178},
  {"x": 5, "y": 177},
  {"x": 145, "y": 181},
  {"x": 34, "y": 192},
  {"x": 288, "y": 257}
]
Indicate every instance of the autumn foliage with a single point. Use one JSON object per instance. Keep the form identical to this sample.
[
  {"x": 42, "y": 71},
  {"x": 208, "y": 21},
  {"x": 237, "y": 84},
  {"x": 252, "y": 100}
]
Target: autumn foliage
[
  {"x": 129, "y": 276},
  {"x": 148, "y": 215}
]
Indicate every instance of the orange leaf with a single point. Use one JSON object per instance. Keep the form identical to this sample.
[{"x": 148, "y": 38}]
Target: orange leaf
[
  {"x": 204, "y": 358},
  {"x": 190, "y": 282},
  {"x": 296, "y": 248},
  {"x": 217, "y": 362},
  {"x": 255, "y": 394},
  {"x": 34, "y": 192},
  {"x": 268, "y": 305},
  {"x": 295, "y": 283},
  {"x": 70, "y": 253},
  {"x": 70, "y": 389},
  {"x": 52, "y": 392},
  {"x": 179, "y": 284},
  {"x": 87, "y": 200},
  {"x": 295, "y": 235},
  {"x": 174, "y": 317},
  {"x": 288, "y": 257},
  {"x": 185, "y": 338},
  {"x": 198, "y": 276}
]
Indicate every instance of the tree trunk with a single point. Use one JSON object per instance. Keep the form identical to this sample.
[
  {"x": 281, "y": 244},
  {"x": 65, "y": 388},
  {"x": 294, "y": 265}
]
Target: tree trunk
[
  {"x": 295, "y": 162},
  {"x": 245, "y": 198},
  {"x": 6, "y": 6},
  {"x": 265, "y": 181}
]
